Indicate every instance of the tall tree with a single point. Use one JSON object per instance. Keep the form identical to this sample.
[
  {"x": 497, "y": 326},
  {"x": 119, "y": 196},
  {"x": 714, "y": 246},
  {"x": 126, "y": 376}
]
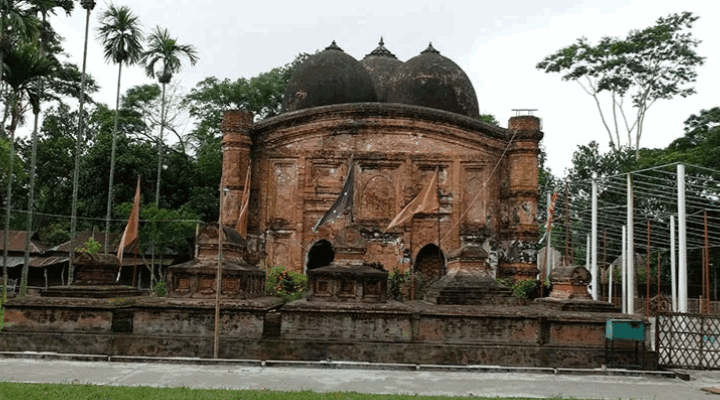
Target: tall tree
[
  {"x": 47, "y": 36},
  {"x": 25, "y": 64},
  {"x": 88, "y": 5},
  {"x": 656, "y": 63},
  {"x": 16, "y": 23},
  {"x": 163, "y": 49},
  {"x": 121, "y": 36}
]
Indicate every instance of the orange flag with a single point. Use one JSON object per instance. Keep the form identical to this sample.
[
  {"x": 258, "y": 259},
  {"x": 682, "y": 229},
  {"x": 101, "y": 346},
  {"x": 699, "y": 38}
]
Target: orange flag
[
  {"x": 241, "y": 226},
  {"x": 130, "y": 236},
  {"x": 425, "y": 202}
]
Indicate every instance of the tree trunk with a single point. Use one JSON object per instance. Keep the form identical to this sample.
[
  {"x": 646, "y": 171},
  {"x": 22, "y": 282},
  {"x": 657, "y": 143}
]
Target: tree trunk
[
  {"x": 78, "y": 140},
  {"x": 112, "y": 160},
  {"x": 159, "y": 171},
  {"x": 160, "y": 147},
  {"x": 31, "y": 206},
  {"x": 8, "y": 204}
]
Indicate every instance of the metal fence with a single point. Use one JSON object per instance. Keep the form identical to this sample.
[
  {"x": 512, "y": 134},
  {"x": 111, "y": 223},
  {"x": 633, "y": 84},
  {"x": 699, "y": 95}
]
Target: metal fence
[{"x": 688, "y": 341}]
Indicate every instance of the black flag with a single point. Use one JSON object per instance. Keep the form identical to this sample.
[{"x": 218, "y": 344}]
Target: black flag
[{"x": 343, "y": 203}]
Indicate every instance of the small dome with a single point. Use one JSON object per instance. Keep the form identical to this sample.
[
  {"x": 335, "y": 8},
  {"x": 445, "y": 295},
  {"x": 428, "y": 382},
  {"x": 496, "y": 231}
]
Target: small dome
[
  {"x": 329, "y": 77},
  {"x": 381, "y": 64},
  {"x": 434, "y": 81}
]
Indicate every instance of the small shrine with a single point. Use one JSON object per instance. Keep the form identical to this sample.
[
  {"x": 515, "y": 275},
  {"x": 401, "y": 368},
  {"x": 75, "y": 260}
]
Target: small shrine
[
  {"x": 469, "y": 281},
  {"x": 95, "y": 276},
  {"x": 570, "y": 291},
  {"x": 348, "y": 278},
  {"x": 196, "y": 278}
]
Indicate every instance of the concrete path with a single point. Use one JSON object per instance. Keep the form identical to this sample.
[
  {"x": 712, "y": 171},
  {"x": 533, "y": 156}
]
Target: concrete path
[{"x": 424, "y": 382}]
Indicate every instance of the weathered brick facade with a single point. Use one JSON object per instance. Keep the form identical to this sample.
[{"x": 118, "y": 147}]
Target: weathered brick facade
[
  {"x": 426, "y": 123},
  {"x": 487, "y": 183}
]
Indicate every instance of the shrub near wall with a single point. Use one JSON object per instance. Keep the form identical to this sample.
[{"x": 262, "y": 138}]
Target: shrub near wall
[{"x": 288, "y": 285}]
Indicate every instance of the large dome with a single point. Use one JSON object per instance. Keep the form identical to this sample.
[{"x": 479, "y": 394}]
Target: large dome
[
  {"x": 381, "y": 64},
  {"x": 434, "y": 81},
  {"x": 329, "y": 77}
]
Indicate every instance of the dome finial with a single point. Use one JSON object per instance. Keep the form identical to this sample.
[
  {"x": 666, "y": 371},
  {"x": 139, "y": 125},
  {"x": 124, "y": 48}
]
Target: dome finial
[
  {"x": 381, "y": 51},
  {"x": 333, "y": 46},
  {"x": 430, "y": 49}
]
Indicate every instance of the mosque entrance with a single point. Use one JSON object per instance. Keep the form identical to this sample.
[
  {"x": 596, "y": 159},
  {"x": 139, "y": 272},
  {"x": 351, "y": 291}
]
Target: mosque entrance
[
  {"x": 430, "y": 263},
  {"x": 321, "y": 254}
]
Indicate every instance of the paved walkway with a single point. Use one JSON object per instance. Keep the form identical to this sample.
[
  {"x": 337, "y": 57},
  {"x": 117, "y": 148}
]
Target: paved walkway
[{"x": 234, "y": 376}]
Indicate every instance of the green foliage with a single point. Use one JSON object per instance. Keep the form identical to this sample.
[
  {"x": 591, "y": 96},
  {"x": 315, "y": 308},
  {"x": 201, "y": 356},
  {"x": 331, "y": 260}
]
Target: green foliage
[
  {"x": 90, "y": 247},
  {"x": 398, "y": 284},
  {"x": 286, "y": 284},
  {"x": 655, "y": 63},
  {"x": 120, "y": 35},
  {"x": 165, "y": 50},
  {"x": 526, "y": 288},
  {"x": 160, "y": 288},
  {"x": 170, "y": 231},
  {"x": 489, "y": 119}
]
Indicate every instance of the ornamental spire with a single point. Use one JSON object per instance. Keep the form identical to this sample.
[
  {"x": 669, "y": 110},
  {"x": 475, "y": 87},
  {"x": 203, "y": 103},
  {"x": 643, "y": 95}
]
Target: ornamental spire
[
  {"x": 381, "y": 50},
  {"x": 430, "y": 49}
]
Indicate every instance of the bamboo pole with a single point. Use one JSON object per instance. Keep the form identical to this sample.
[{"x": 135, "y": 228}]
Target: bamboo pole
[
  {"x": 647, "y": 274},
  {"x": 218, "y": 276},
  {"x": 706, "y": 268}
]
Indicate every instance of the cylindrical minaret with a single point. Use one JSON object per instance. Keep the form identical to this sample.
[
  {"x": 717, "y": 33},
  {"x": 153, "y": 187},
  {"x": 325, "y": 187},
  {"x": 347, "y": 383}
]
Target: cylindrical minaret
[
  {"x": 520, "y": 235},
  {"x": 235, "y": 127}
]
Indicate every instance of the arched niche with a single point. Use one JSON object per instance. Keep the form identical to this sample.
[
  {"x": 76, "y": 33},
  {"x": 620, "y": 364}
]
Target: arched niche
[
  {"x": 321, "y": 254},
  {"x": 430, "y": 263}
]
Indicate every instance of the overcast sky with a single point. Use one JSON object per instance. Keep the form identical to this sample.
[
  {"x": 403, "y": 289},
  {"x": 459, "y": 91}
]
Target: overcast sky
[{"x": 497, "y": 43}]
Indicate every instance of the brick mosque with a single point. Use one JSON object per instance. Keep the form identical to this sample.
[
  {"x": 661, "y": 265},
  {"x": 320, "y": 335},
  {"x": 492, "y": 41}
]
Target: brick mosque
[
  {"x": 363, "y": 139},
  {"x": 398, "y": 124}
]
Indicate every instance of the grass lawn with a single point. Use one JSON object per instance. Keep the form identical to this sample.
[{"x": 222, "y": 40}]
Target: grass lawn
[{"x": 89, "y": 392}]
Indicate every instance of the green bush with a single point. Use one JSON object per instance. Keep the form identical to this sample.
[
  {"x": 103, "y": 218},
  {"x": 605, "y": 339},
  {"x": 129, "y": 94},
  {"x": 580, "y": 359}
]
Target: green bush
[
  {"x": 525, "y": 288},
  {"x": 160, "y": 288},
  {"x": 398, "y": 284},
  {"x": 286, "y": 284},
  {"x": 91, "y": 247}
]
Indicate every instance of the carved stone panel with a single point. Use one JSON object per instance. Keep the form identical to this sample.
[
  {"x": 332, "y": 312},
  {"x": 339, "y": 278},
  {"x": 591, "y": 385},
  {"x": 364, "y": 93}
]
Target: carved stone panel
[
  {"x": 206, "y": 284},
  {"x": 377, "y": 199},
  {"x": 283, "y": 191},
  {"x": 281, "y": 255},
  {"x": 327, "y": 177},
  {"x": 474, "y": 196},
  {"x": 182, "y": 284}
]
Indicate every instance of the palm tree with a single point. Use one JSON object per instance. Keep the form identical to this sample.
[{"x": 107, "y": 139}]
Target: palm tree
[
  {"x": 43, "y": 8},
  {"x": 24, "y": 64},
  {"x": 16, "y": 23},
  {"x": 87, "y": 5},
  {"x": 121, "y": 36},
  {"x": 165, "y": 50}
]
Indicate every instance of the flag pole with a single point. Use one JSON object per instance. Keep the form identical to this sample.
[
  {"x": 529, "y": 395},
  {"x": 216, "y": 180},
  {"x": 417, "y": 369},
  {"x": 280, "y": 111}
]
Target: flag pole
[
  {"x": 437, "y": 194},
  {"x": 218, "y": 276},
  {"x": 135, "y": 280}
]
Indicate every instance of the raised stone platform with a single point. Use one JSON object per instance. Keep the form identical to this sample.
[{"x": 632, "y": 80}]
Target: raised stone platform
[
  {"x": 416, "y": 332},
  {"x": 470, "y": 288},
  {"x": 91, "y": 291}
]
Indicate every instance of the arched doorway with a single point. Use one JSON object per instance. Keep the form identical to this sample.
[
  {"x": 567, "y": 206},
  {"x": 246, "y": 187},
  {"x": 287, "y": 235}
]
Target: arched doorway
[
  {"x": 321, "y": 254},
  {"x": 430, "y": 263}
]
